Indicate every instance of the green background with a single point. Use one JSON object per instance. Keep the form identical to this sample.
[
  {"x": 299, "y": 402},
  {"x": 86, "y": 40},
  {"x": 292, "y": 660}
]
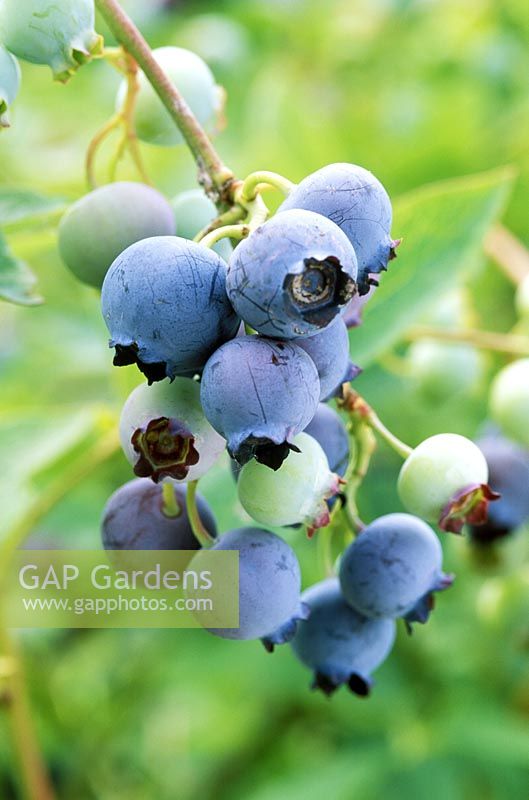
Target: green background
[{"x": 417, "y": 91}]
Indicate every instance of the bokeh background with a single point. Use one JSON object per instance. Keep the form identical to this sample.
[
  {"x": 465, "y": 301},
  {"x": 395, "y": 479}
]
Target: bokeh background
[{"x": 417, "y": 91}]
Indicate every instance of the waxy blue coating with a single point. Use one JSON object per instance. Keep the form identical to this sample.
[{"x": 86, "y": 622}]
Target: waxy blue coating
[
  {"x": 269, "y": 582},
  {"x": 337, "y": 642},
  {"x": 133, "y": 519},
  {"x": 392, "y": 564},
  {"x": 270, "y": 256},
  {"x": 329, "y": 349},
  {"x": 259, "y": 389},
  {"x": 329, "y": 431},
  {"x": 167, "y": 295},
  {"x": 357, "y": 202}
]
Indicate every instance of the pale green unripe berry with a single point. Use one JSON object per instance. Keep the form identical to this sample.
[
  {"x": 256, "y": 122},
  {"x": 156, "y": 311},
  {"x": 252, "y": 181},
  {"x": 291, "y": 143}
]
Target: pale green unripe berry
[
  {"x": 195, "y": 82},
  {"x": 439, "y": 369},
  {"x": 436, "y": 471},
  {"x": 60, "y": 34},
  {"x": 522, "y": 299},
  {"x": 509, "y": 400},
  {"x": 9, "y": 84},
  {"x": 295, "y": 493}
]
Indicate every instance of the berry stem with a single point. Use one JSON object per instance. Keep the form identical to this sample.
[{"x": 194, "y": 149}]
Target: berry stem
[
  {"x": 263, "y": 179},
  {"x": 364, "y": 447},
  {"x": 486, "y": 340},
  {"x": 206, "y": 157},
  {"x": 171, "y": 507},
  {"x": 204, "y": 538},
  {"x": 237, "y": 232},
  {"x": 360, "y": 411}
]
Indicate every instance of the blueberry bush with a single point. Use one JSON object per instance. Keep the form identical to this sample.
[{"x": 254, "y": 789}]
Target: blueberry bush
[{"x": 349, "y": 341}]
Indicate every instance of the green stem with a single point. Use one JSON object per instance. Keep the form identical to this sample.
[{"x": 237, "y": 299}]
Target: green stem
[
  {"x": 486, "y": 340},
  {"x": 360, "y": 411},
  {"x": 228, "y": 231},
  {"x": 229, "y": 217},
  {"x": 257, "y": 180},
  {"x": 204, "y": 538},
  {"x": 364, "y": 446},
  {"x": 395, "y": 443},
  {"x": 197, "y": 140},
  {"x": 35, "y": 783},
  {"x": 171, "y": 507}
]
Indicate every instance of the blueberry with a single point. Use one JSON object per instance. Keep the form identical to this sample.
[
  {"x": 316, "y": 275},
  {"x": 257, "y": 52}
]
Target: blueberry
[
  {"x": 340, "y": 645},
  {"x": 441, "y": 369},
  {"x": 9, "y": 84},
  {"x": 134, "y": 519},
  {"x": 164, "y": 433},
  {"x": 508, "y": 465},
  {"x": 294, "y": 493},
  {"x": 354, "y": 311},
  {"x": 292, "y": 275},
  {"x": 509, "y": 400},
  {"x": 444, "y": 480},
  {"x": 61, "y": 34},
  {"x": 193, "y": 211},
  {"x": 259, "y": 393},
  {"x": 99, "y": 226},
  {"x": 392, "y": 568},
  {"x": 195, "y": 82},
  {"x": 355, "y": 200},
  {"x": 269, "y": 586},
  {"x": 329, "y": 349},
  {"x": 330, "y": 432},
  {"x": 165, "y": 305}
]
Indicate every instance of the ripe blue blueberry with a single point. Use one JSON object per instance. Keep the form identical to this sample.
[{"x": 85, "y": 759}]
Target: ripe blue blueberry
[
  {"x": 193, "y": 211},
  {"x": 258, "y": 394},
  {"x": 164, "y": 433},
  {"x": 329, "y": 349},
  {"x": 292, "y": 275},
  {"x": 61, "y": 34},
  {"x": 330, "y": 432},
  {"x": 195, "y": 82},
  {"x": 165, "y": 305},
  {"x": 134, "y": 519},
  {"x": 392, "y": 568},
  {"x": 508, "y": 465},
  {"x": 357, "y": 202},
  {"x": 99, "y": 226},
  {"x": 294, "y": 493},
  {"x": 269, "y": 586},
  {"x": 509, "y": 400},
  {"x": 337, "y": 643},
  {"x": 9, "y": 84}
]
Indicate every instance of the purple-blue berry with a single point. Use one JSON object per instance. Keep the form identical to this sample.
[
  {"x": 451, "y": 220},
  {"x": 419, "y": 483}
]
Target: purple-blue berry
[{"x": 329, "y": 349}]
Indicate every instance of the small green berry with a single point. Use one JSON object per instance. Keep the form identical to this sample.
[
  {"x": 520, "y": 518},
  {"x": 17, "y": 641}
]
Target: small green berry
[{"x": 509, "y": 400}]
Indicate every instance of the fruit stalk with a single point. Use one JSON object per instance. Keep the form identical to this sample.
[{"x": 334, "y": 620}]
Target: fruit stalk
[
  {"x": 219, "y": 177},
  {"x": 203, "y": 536}
]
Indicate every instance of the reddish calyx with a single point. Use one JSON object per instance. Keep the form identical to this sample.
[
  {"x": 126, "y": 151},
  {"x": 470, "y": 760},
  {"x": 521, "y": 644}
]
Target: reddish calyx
[
  {"x": 469, "y": 505},
  {"x": 165, "y": 448}
]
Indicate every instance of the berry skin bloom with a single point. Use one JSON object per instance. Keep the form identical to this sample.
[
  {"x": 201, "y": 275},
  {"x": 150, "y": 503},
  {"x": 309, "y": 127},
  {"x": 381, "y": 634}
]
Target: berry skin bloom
[
  {"x": 9, "y": 84},
  {"x": 195, "y": 82},
  {"x": 61, "y": 34},
  {"x": 509, "y": 400},
  {"x": 292, "y": 275},
  {"x": 134, "y": 519},
  {"x": 508, "y": 465},
  {"x": 165, "y": 305},
  {"x": 330, "y": 432},
  {"x": 269, "y": 586},
  {"x": 295, "y": 493},
  {"x": 357, "y": 202},
  {"x": 329, "y": 349},
  {"x": 99, "y": 226},
  {"x": 337, "y": 643},
  {"x": 444, "y": 480},
  {"x": 164, "y": 433},
  {"x": 392, "y": 568},
  {"x": 258, "y": 394}
]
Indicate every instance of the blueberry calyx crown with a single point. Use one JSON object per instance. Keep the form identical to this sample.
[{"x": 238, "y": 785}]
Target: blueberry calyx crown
[
  {"x": 166, "y": 450},
  {"x": 265, "y": 451},
  {"x": 469, "y": 505},
  {"x": 128, "y": 354},
  {"x": 319, "y": 288},
  {"x": 355, "y": 683}
]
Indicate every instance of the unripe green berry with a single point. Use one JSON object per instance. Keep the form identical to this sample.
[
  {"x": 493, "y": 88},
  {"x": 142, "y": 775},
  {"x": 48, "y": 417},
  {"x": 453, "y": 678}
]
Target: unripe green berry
[
  {"x": 509, "y": 400},
  {"x": 440, "y": 369},
  {"x": 9, "y": 84},
  {"x": 195, "y": 82},
  {"x": 522, "y": 299},
  {"x": 61, "y": 34},
  {"x": 436, "y": 471}
]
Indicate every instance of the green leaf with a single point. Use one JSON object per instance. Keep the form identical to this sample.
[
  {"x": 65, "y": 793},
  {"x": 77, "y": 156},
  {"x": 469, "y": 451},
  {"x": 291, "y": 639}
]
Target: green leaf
[
  {"x": 443, "y": 226},
  {"x": 22, "y": 206},
  {"x": 17, "y": 281}
]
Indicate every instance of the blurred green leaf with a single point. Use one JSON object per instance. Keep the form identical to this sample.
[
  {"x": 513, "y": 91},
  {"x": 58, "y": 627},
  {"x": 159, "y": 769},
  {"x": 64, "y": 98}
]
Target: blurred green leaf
[
  {"x": 443, "y": 227},
  {"x": 17, "y": 205},
  {"x": 17, "y": 281}
]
